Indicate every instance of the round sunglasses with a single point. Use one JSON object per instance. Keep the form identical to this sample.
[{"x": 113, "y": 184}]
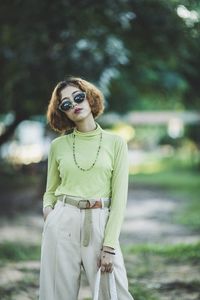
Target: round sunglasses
[{"x": 67, "y": 104}]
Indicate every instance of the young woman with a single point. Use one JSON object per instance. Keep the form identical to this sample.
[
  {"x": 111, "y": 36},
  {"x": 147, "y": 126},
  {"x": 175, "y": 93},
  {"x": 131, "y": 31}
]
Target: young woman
[{"x": 85, "y": 197}]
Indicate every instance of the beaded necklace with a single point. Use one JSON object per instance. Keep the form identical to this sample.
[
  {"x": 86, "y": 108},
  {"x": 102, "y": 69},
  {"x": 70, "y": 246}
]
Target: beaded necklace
[{"x": 74, "y": 156}]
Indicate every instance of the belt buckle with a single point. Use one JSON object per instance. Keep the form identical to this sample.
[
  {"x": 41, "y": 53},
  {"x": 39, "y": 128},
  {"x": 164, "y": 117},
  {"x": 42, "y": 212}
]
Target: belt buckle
[{"x": 84, "y": 204}]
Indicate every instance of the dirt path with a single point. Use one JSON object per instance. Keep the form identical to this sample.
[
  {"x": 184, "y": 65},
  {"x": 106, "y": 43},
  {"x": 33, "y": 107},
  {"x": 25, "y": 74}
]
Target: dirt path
[{"x": 148, "y": 219}]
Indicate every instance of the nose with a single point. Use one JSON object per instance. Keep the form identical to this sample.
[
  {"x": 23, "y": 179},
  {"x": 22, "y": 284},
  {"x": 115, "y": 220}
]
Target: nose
[{"x": 73, "y": 104}]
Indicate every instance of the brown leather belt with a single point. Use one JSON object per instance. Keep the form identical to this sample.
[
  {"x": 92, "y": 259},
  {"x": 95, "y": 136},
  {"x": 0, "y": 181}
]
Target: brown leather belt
[{"x": 86, "y": 204}]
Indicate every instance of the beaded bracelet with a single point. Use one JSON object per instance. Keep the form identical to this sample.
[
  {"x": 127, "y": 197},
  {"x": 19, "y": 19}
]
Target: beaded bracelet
[{"x": 109, "y": 252}]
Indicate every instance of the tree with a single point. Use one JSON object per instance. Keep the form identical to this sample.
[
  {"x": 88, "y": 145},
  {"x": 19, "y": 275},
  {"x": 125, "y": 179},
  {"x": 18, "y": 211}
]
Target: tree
[{"x": 152, "y": 49}]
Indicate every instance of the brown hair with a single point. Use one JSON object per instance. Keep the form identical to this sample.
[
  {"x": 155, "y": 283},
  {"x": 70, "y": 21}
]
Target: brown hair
[{"x": 58, "y": 119}]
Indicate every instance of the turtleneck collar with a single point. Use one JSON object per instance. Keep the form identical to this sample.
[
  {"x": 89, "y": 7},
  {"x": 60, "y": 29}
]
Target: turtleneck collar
[{"x": 90, "y": 133}]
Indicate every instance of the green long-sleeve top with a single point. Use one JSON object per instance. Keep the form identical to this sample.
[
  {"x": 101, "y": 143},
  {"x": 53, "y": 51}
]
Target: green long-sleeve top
[{"x": 108, "y": 177}]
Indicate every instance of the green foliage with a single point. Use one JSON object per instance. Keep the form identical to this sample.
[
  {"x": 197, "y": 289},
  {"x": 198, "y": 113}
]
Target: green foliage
[
  {"x": 13, "y": 251},
  {"x": 189, "y": 214},
  {"x": 140, "y": 292},
  {"x": 155, "y": 51},
  {"x": 171, "y": 180}
]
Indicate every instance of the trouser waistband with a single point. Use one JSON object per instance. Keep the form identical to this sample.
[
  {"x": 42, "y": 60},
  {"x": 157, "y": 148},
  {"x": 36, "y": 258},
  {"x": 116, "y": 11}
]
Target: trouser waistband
[{"x": 81, "y": 204}]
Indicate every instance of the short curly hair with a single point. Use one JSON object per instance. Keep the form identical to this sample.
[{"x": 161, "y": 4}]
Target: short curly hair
[{"x": 57, "y": 119}]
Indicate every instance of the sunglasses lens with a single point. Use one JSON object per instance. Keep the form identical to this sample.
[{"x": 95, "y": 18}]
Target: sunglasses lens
[
  {"x": 65, "y": 105},
  {"x": 79, "y": 97}
]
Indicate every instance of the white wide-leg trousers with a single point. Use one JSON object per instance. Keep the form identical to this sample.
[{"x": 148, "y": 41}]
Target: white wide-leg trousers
[{"x": 62, "y": 255}]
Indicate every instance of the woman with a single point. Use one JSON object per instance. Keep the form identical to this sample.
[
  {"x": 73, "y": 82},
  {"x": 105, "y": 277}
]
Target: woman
[{"x": 85, "y": 197}]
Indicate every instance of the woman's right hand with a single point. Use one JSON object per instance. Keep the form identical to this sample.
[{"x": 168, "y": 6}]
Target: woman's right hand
[{"x": 46, "y": 211}]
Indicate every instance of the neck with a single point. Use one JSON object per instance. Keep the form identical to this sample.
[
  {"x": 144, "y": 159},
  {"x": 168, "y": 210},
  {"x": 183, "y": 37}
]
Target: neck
[{"x": 85, "y": 126}]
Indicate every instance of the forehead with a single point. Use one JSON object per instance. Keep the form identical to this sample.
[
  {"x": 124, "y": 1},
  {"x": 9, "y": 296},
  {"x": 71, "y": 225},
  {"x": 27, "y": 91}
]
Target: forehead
[{"x": 67, "y": 91}]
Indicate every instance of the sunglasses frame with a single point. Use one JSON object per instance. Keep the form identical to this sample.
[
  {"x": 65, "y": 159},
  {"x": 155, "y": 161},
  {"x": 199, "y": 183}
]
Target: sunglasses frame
[{"x": 68, "y": 99}]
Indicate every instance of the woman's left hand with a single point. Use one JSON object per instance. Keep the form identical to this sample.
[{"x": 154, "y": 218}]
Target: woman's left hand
[{"x": 106, "y": 260}]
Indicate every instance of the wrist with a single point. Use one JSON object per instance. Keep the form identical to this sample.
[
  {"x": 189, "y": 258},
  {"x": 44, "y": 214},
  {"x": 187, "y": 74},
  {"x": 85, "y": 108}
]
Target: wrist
[
  {"x": 109, "y": 251},
  {"x": 108, "y": 248}
]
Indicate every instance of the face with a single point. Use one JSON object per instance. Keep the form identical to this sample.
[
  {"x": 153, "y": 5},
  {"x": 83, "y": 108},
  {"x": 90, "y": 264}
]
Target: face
[{"x": 79, "y": 111}]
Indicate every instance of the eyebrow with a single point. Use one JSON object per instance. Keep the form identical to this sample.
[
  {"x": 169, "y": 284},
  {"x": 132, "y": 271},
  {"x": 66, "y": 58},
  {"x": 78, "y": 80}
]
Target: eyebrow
[{"x": 68, "y": 97}]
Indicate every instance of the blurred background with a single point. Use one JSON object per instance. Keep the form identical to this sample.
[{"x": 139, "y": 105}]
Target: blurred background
[{"x": 145, "y": 57}]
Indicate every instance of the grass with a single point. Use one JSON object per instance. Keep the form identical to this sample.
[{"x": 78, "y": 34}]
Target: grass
[
  {"x": 139, "y": 292},
  {"x": 27, "y": 285},
  {"x": 189, "y": 215},
  {"x": 12, "y": 251},
  {"x": 179, "y": 252}
]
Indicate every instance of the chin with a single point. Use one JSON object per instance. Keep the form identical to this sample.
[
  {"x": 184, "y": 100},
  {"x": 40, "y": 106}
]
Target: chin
[
  {"x": 78, "y": 118},
  {"x": 82, "y": 116}
]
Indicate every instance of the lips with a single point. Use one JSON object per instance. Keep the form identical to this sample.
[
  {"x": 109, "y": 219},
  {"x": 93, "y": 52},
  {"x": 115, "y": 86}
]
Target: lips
[{"x": 77, "y": 110}]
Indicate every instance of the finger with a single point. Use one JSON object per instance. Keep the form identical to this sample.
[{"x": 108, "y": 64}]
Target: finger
[
  {"x": 109, "y": 268},
  {"x": 106, "y": 267},
  {"x": 103, "y": 269}
]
